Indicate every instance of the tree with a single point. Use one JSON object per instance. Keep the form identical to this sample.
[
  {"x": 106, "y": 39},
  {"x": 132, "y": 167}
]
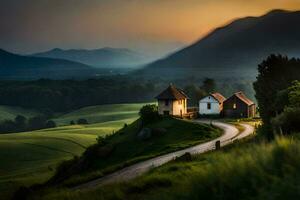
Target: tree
[
  {"x": 149, "y": 113},
  {"x": 82, "y": 121},
  {"x": 289, "y": 121},
  {"x": 208, "y": 85},
  {"x": 37, "y": 122},
  {"x": 195, "y": 93},
  {"x": 7, "y": 126},
  {"x": 50, "y": 124},
  {"x": 20, "y": 122},
  {"x": 275, "y": 74}
]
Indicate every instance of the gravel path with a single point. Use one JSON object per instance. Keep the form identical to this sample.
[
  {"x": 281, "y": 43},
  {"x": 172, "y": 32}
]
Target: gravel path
[{"x": 230, "y": 134}]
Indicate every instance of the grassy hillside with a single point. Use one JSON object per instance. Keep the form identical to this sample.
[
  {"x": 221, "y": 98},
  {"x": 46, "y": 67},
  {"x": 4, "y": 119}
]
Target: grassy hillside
[
  {"x": 245, "y": 171},
  {"x": 101, "y": 113},
  {"x": 31, "y": 157},
  {"x": 125, "y": 148},
  {"x": 9, "y": 112}
]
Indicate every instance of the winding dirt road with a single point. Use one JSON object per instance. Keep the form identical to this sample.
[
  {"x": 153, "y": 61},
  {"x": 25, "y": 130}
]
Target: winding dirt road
[{"x": 230, "y": 134}]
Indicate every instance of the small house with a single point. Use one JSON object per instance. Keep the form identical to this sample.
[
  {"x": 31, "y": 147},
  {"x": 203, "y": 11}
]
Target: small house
[
  {"x": 239, "y": 106},
  {"x": 211, "y": 104},
  {"x": 172, "y": 101}
]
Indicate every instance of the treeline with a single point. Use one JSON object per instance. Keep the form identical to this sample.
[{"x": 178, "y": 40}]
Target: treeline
[
  {"x": 278, "y": 94},
  {"x": 197, "y": 92},
  {"x": 21, "y": 124},
  {"x": 65, "y": 95},
  {"x": 52, "y": 96}
]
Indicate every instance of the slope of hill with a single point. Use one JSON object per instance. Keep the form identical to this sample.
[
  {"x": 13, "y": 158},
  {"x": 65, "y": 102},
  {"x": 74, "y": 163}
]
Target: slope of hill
[
  {"x": 101, "y": 113},
  {"x": 10, "y": 112},
  {"x": 103, "y": 58},
  {"x": 240, "y": 45},
  {"x": 243, "y": 171},
  {"x": 13, "y": 66},
  {"x": 31, "y": 157}
]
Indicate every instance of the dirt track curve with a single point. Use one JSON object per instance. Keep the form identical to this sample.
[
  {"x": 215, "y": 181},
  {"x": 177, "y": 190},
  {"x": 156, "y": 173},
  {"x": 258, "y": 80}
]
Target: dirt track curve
[{"x": 230, "y": 134}]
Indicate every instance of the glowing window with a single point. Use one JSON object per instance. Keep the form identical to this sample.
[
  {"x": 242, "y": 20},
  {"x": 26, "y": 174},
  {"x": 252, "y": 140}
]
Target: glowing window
[{"x": 234, "y": 106}]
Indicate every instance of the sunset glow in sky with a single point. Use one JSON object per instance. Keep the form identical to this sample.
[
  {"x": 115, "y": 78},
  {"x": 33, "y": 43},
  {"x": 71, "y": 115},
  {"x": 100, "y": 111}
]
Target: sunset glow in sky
[{"x": 145, "y": 25}]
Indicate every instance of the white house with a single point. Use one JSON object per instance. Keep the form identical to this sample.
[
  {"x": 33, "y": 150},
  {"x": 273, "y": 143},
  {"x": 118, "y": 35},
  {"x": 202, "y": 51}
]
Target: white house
[{"x": 212, "y": 104}]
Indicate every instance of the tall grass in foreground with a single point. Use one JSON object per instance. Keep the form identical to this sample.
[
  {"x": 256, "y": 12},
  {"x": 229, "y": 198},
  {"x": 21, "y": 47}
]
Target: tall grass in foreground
[{"x": 259, "y": 171}]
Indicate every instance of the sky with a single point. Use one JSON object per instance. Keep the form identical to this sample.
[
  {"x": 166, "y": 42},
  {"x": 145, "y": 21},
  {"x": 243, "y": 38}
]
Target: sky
[{"x": 153, "y": 27}]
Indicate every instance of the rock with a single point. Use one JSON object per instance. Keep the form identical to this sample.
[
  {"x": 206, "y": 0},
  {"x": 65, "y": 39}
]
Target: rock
[
  {"x": 159, "y": 131},
  {"x": 185, "y": 157},
  {"x": 144, "y": 134}
]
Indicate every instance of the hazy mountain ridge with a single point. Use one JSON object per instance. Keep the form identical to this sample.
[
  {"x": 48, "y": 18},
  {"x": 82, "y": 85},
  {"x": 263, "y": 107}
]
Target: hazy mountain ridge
[
  {"x": 242, "y": 44},
  {"x": 104, "y": 58},
  {"x": 28, "y": 67}
]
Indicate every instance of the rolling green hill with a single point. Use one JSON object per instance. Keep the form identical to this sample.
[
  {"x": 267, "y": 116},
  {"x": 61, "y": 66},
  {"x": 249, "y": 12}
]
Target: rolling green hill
[
  {"x": 31, "y": 157},
  {"x": 125, "y": 148},
  {"x": 101, "y": 113},
  {"x": 9, "y": 112}
]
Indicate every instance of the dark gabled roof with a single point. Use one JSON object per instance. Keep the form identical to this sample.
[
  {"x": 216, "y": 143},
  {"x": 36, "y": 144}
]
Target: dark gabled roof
[
  {"x": 243, "y": 98},
  {"x": 220, "y": 98},
  {"x": 172, "y": 93}
]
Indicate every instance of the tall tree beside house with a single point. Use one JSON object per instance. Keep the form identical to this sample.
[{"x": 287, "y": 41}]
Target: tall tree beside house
[
  {"x": 208, "y": 85},
  {"x": 275, "y": 74},
  {"x": 195, "y": 93}
]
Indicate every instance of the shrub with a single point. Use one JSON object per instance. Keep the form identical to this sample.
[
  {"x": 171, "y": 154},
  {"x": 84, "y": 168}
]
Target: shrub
[
  {"x": 101, "y": 140},
  {"x": 82, "y": 121},
  {"x": 289, "y": 120},
  {"x": 50, "y": 124},
  {"x": 20, "y": 122},
  {"x": 37, "y": 122},
  {"x": 149, "y": 113}
]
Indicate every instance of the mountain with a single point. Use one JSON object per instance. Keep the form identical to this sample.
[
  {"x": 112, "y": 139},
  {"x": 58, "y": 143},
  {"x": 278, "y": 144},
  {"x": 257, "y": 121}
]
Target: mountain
[
  {"x": 13, "y": 66},
  {"x": 240, "y": 45},
  {"x": 102, "y": 58}
]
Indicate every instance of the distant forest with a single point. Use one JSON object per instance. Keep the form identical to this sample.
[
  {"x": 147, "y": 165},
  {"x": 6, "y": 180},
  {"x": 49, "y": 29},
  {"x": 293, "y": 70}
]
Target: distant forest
[{"x": 50, "y": 96}]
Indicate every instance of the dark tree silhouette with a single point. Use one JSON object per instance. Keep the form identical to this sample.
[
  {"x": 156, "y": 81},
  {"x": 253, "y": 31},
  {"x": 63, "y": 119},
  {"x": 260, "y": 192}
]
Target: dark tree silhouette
[
  {"x": 275, "y": 74},
  {"x": 208, "y": 85}
]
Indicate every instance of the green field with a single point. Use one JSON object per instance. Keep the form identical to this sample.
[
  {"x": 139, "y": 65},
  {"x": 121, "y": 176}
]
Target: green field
[
  {"x": 126, "y": 148},
  {"x": 9, "y": 112},
  {"x": 246, "y": 170},
  {"x": 31, "y": 157},
  {"x": 104, "y": 113}
]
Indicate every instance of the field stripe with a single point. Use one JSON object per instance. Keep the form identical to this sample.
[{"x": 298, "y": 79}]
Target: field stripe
[{"x": 50, "y": 148}]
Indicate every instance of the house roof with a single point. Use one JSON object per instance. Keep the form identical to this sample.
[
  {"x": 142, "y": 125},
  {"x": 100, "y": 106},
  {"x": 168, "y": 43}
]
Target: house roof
[
  {"x": 172, "y": 93},
  {"x": 219, "y": 97},
  {"x": 243, "y": 98}
]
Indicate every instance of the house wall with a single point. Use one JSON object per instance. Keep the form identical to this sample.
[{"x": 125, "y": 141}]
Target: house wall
[
  {"x": 252, "y": 111},
  {"x": 216, "y": 107},
  {"x": 162, "y": 107},
  {"x": 241, "y": 110},
  {"x": 180, "y": 108},
  {"x": 174, "y": 107}
]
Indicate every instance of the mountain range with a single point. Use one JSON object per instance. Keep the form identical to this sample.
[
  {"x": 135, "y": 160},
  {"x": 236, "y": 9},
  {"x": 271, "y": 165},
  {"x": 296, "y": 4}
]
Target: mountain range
[
  {"x": 13, "y": 66},
  {"x": 102, "y": 58},
  {"x": 240, "y": 45},
  {"x": 233, "y": 50}
]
